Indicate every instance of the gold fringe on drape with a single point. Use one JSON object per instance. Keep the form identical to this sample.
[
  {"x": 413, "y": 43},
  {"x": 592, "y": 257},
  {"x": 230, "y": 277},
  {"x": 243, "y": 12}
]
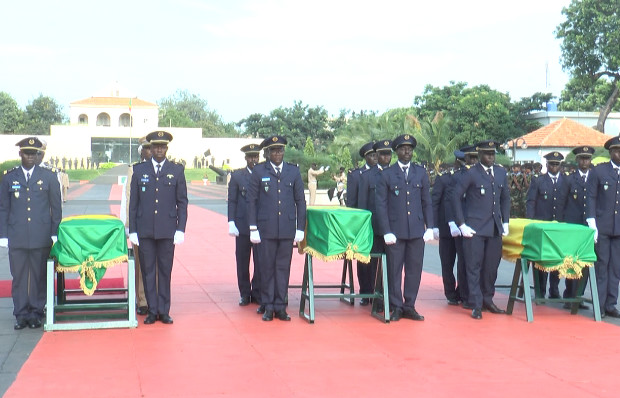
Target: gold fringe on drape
[
  {"x": 86, "y": 270},
  {"x": 569, "y": 264},
  {"x": 348, "y": 254}
]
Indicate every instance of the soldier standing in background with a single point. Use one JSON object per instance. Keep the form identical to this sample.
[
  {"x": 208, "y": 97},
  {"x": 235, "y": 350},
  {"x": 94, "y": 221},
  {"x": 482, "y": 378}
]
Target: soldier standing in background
[
  {"x": 313, "y": 173},
  {"x": 238, "y": 227},
  {"x": 370, "y": 156}
]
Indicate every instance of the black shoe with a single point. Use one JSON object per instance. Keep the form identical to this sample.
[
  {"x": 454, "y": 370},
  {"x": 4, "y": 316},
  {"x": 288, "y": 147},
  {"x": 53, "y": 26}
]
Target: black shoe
[
  {"x": 364, "y": 302},
  {"x": 150, "y": 319},
  {"x": 244, "y": 300},
  {"x": 492, "y": 308},
  {"x": 476, "y": 313},
  {"x": 613, "y": 313},
  {"x": 282, "y": 315},
  {"x": 468, "y": 306},
  {"x": 396, "y": 315},
  {"x": 142, "y": 310},
  {"x": 254, "y": 299},
  {"x": 167, "y": 319},
  {"x": 34, "y": 323},
  {"x": 452, "y": 301},
  {"x": 20, "y": 324},
  {"x": 260, "y": 309},
  {"x": 411, "y": 313},
  {"x": 380, "y": 306},
  {"x": 268, "y": 315}
]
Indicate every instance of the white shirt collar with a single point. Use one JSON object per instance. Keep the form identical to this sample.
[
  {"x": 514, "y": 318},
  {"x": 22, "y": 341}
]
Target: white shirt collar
[
  {"x": 155, "y": 163},
  {"x": 250, "y": 170},
  {"x": 401, "y": 165},
  {"x": 557, "y": 176},
  {"x": 280, "y": 166},
  {"x": 27, "y": 171}
]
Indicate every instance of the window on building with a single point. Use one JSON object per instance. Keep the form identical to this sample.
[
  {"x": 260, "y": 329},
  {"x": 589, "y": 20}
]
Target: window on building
[
  {"x": 124, "y": 120},
  {"x": 103, "y": 119},
  {"x": 83, "y": 119}
]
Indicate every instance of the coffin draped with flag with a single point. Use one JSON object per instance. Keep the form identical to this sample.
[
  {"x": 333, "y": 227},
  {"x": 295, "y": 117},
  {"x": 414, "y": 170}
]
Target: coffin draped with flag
[
  {"x": 89, "y": 245},
  {"x": 336, "y": 232},
  {"x": 552, "y": 246}
]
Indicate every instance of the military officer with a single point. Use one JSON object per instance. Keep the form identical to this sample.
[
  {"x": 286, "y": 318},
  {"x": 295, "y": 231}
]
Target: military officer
[
  {"x": 370, "y": 157},
  {"x": 238, "y": 226},
  {"x": 482, "y": 224},
  {"x": 405, "y": 215},
  {"x": 573, "y": 205},
  {"x": 603, "y": 216},
  {"x": 368, "y": 182},
  {"x": 313, "y": 173},
  {"x": 447, "y": 243},
  {"x": 157, "y": 220},
  {"x": 30, "y": 213},
  {"x": 542, "y": 203},
  {"x": 144, "y": 149},
  {"x": 277, "y": 218}
]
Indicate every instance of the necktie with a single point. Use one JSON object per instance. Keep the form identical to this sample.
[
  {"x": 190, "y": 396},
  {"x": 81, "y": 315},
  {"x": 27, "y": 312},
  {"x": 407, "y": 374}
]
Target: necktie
[
  {"x": 278, "y": 172},
  {"x": 27, "y": 177},
  {"x": 554, "y": 179},
  {"x": 406, "y": 171},
  {"x": 490, "y": 173},
  {"x": 158, "y": 169},
  {"x": 583, "y": 178}
]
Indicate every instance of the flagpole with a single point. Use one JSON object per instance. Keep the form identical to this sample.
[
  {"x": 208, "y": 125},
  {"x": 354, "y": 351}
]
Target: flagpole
[{"x": 130, "y": 127}]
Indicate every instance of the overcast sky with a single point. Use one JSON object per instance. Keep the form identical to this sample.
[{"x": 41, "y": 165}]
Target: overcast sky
[{"x": 247, "y": 57}]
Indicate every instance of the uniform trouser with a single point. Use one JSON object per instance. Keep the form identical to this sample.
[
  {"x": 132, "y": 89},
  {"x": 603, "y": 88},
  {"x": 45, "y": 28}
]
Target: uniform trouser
[
  {"x": 447, "y": 255},
  {"x": 156, "y": 256},
  {"x": 410, "y": 254},
  {"x": 243, "y": 248},
  {"x": 28, "y": 288},
  {"x": 367, "y": 273},
  {"x": 461, "y": 270},
  {"x": 607, "y": 267},
  {"x": 483, "y": 255},
  {"x": 573, "y": 284},
  {"x": 312, "y": 193},
  {"x": 275, "y": 268},
  {"x": 140, "y": 296},
  {"x": 554, "y": 283}
]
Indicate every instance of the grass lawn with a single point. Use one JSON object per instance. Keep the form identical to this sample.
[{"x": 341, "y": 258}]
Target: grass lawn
[
  {"x": 197, "y": 174},
  {"x": 190, "y": 174}
]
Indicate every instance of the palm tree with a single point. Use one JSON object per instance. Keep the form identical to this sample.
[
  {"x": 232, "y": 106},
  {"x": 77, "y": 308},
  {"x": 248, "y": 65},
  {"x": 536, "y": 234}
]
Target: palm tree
[{"x": 433, "y": 136}]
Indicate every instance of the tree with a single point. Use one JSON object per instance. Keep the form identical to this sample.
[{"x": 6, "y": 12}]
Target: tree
[
  {"x": 582, "y": 95},
  {"x": 10, "y": 115},
  {"x": 184, "y": 109},
  {"x": 309, "y": 148},
  {"x": 434, "y": 144},
  {"x": 40, "y": 114},
  {"x": 591, "y": 46}
]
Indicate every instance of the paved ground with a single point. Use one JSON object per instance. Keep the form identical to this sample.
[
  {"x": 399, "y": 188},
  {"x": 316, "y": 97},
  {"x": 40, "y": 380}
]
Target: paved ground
[{"x": 98, "y": 198}]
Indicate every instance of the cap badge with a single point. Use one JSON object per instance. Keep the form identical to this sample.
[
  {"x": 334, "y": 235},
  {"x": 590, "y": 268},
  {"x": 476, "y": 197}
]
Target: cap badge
[
  {"x": 585, "y": 148},
  {"x": 407, "y": 137},
  {"x": 490, "y": 144},
  {"x": 386, "y": 143},
  {"x": 274, "y": 139},
  {"x": 556, "y": 154},
  {"x": 31, "y": 141},
  {"x": 252, "y": 146},
  {"x": 160, "y": 134}
]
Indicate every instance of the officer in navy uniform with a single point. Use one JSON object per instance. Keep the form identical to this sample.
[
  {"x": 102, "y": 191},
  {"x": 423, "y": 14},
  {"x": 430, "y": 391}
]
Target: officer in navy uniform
[
  {"x": 405, "y": 215},
  {"x": 470, "y": 159},
  {"x": 370, "y": 156},
  {"x": 30, "y": 213},
  {"x": 277, "y": 218},
  {"x": 157, "y": 220},
  {"x": 238, "y": 226},
  {"x": 603, "y": 211},
  {"x": 368, "y": 182},
  {"x": 447, "y": 242},
  {"x": 543, "y": 203},
  {"x": 487, "y": 203},
  {"x": 573, "y": 205}
]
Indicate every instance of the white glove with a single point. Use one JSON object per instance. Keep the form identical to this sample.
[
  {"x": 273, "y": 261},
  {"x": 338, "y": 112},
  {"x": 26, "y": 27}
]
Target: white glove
[
  {"x": 505, "y": 225},
  {"x": 322, "y": 169},
  {"x": 327, "y": 168},
  {"x": 54, "y": 239},
  {"x": 435, "y": 233},
  {"x": 133, "y": 238},
  {"x": 254, "y": 236},
  {"x": 4, "y": 242},
  {"x": 232, "y": 229},
  {"x": 428, "y": 235},
  {"x": 592, "y": 224},
  {"x": 126, "y": 231},
  {"x": 389, "y": 239},
  {"x": 299, "y": 236},
  {"x": 179, "y": 237},
  {"x": 454, "y": 230},
  {"x": 467, "y": 231}
]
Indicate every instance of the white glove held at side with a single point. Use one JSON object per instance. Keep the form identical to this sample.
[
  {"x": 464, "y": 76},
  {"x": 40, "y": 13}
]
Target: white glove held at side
[
  {"x": 467, "y": 231},
  {"x": 505, "y": 225},
  {"x": 232, "y": 229},
  {"x": 133, "y": 238},
  {"x": 435, "y": 233},
  {"x": 454, "y": 230},
  {"x": 299, "y": 236},
  {"x": 254, "y": 236},
  {"x": 429, "y": 233},
  {"x": 389, "y": 239},
  {"x": 592, "y": 224},
  {"x": 4, "y": 242},
  {"x": 54, "y": 238},
  {"x": 179, "y": 237}
]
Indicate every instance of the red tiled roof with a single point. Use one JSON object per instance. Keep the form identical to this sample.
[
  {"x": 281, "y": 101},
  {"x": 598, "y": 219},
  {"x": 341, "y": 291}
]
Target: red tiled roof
[
  {"x": 564, "y": 133},
  {"x": 114, "y": 101}
]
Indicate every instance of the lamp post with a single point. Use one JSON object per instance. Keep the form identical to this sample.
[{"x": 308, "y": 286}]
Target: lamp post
[{"x": 515, "y": 143}]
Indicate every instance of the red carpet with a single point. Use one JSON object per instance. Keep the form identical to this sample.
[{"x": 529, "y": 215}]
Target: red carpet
[{"x": 216, "y": 348}]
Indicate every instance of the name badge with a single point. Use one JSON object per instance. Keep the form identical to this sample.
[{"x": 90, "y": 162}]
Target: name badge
[{"x": 266, "y": 179}]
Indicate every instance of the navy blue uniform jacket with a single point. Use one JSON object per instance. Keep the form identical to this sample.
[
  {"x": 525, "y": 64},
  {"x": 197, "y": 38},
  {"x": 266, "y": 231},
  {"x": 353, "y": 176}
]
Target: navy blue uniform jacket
[
  {"x": 442, "y": 212},
  {"x": 404, "y": 208},
  {"x": 573, "y": 199},
  {"x": 487, "y": 204},
  {"x": 603, "y": 198},
  {"x": 30, "y": 213},
  {"x": 367, "y": 193},
  {"x": 158, "y": 207},
  {"x": 276, "y": 206},
  {"x": 238, "y": 199},
  {"x": 542, "y": 201}
]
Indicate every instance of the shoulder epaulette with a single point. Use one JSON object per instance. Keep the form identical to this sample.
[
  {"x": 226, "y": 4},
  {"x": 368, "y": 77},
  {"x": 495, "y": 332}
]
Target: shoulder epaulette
[{"x": 468, "y": 166}]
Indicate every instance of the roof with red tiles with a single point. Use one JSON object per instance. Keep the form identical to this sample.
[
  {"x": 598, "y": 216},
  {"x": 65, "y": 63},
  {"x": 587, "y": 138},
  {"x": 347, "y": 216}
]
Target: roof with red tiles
[
  {"x": 564, "y": 133},
  {"x": 114, "y": 101}
]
